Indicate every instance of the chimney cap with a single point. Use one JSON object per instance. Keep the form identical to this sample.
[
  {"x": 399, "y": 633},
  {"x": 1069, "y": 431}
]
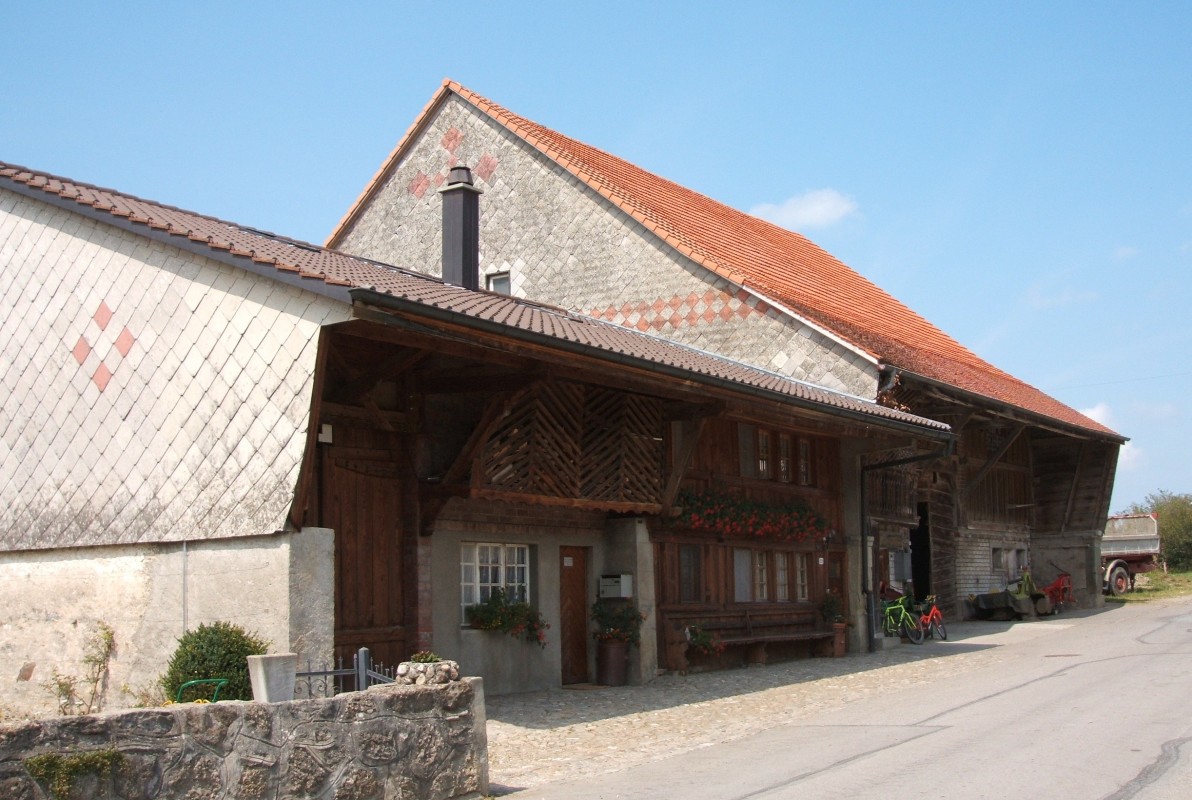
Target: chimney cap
[{"x": 459, "y": 178}]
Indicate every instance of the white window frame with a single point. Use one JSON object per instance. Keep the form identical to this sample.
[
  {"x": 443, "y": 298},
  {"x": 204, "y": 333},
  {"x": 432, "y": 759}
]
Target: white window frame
[
  {"x": 484, "y": 566},
  {"x": 801, "y": 577},
  {"x": 491, "y": 280}
]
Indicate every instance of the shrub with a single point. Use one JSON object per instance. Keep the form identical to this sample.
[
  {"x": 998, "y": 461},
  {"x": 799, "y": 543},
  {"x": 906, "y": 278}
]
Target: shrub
[
  {"x": 218, "y": 650},
  {"x": 425, "y": 657},
  {"x": 617, "y": 620}
]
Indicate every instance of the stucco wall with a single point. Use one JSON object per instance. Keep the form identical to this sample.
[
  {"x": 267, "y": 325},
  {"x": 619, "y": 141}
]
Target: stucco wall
[
  {"x": 564, "y": 244},
  {"x": 509, "y": 665},
  {"x": 147, "y": 394},
  {"x": 280, "y": 587}
]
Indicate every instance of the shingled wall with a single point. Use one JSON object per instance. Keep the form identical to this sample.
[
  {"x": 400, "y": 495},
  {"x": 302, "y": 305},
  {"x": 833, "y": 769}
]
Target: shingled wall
[{"x": 564, "y": 244}]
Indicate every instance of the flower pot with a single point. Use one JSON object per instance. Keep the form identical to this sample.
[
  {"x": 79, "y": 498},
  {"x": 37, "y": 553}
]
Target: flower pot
[
  {"x": 839, "y": 639},
  {"x": 273, "y": 677},
  {"x": 612, "y": 662}
]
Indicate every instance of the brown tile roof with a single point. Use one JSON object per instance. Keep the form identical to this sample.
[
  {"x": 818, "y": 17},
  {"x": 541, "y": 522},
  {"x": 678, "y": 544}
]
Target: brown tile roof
[
  {"x": 778, "y": 263},
  {"x": 419, "y": 293}
]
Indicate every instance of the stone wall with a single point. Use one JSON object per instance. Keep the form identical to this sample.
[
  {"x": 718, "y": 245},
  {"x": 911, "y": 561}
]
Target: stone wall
[{"x": 387, "y": 742}]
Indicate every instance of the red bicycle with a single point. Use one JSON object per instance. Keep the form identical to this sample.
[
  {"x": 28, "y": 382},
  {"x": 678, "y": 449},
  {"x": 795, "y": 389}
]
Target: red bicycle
[{"x": 932, "y": 619}]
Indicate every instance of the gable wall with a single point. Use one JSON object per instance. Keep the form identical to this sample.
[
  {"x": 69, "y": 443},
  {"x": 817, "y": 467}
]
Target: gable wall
[
  {"x": 149, "y": 394},
  {"x": 564, "y": 244}
]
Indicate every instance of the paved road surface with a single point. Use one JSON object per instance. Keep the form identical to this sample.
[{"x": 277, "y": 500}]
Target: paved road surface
[{"x": 1089, "y": 705}]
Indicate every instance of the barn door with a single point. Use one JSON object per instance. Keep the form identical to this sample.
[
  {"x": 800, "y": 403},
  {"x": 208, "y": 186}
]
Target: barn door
[
  {"x": 573, "y": 613},
  {"x": 361, "y": 502}
]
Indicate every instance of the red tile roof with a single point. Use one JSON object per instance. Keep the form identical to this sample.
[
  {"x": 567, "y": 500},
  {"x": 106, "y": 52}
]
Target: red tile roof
[
  {"x": 777, "y": 263},
  {"x": 421, "y": 294}
]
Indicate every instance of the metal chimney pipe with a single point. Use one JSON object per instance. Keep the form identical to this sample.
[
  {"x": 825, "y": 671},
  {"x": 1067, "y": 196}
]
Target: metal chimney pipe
[{"x": 461, "y": 229}]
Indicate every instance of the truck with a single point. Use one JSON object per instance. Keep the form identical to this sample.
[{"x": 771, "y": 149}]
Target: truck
[{"x": 1129, "y": 547}]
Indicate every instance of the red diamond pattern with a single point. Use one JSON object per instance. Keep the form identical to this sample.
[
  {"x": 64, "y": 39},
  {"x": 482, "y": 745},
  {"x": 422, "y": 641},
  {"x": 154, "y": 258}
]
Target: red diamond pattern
[
  {"x": 101, "y": 376},
  {"x": 125, "y": 342},
  {"x": 81, "y": 350},
  {"x": 103, "y": 315}
]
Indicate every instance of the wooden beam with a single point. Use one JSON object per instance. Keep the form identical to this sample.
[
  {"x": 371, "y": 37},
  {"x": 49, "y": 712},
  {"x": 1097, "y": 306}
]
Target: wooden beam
[
  {"x": 457, "y": 381},
  {"x": 691, "y": 432},
  {"x": 372, "y": 416},
  {"x": 1073, "y": 488},
  {"x": 580, "y": 503},
  {"x": 366, "y": 380},
  {"x": 991, "y": 462},
  {"x": 452, "y": 484}
]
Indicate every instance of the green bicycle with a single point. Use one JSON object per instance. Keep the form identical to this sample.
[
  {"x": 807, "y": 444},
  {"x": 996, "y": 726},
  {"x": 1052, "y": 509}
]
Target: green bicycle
[{"x": 899, "y": 620}]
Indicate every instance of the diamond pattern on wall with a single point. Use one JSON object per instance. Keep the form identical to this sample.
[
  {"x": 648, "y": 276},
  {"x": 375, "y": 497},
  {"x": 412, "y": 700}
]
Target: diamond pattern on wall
[
  {"x": 680, "y": 311},
  {"x": 450, "y": 143},
  {"x": 86, "y": 351}
]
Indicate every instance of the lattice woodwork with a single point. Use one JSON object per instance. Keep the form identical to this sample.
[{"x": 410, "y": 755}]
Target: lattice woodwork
[
  {"x": 622, "y": 447},
  {"x": 584, "y": 443}
]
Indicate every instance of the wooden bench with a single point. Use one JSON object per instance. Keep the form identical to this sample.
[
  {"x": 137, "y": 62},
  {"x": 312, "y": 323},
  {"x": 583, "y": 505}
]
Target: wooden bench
[{"x": 751, "y": 628}]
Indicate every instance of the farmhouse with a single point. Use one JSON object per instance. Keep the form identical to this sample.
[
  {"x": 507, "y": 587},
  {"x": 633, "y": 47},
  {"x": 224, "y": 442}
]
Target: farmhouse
[
  {"x": 204, "y": 421},
  {"x": 1030, "y": 480}
]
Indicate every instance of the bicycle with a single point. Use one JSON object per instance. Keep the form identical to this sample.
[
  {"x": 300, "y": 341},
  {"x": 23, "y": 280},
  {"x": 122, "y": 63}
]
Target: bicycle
[
  {"x": 932, "y": 619},
  {"x": 897, "y": 620}
]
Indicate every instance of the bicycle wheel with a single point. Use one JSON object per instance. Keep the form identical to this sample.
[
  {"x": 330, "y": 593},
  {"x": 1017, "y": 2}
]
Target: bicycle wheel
[
  {"x": 912, "y": 629},
  {"x": 938, "y": 624}
]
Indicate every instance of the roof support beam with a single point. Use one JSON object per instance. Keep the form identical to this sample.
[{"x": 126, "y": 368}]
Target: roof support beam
[{"x": 991, "y": 462}]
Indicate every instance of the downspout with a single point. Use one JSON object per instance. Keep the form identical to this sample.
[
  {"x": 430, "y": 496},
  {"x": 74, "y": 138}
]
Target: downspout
[
  {"x": 185, "y": 608},
  {"x": 866, "y": 588}
]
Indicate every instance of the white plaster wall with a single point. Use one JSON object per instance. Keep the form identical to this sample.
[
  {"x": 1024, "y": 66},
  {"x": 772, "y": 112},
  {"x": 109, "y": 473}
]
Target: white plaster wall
[
  {"x": 509, "y": 665},
  {"x": 146, "y": 394},
  {"x": 51, "y": 601},
  {"x": 564, "y": 244}
]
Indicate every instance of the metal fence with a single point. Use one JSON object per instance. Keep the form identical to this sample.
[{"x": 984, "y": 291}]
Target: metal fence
[{"x": 332, "y": 680}]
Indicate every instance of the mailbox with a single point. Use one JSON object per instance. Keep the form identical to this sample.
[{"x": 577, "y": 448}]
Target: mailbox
[{"x": 616, "y": 586}]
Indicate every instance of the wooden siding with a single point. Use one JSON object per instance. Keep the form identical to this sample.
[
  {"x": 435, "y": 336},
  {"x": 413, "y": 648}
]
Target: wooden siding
[{"x": 1073, "y": 482}]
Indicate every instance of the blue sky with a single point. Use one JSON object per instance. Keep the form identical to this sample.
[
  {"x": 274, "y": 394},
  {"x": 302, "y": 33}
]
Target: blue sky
[{"x": 1018, "y": 173}]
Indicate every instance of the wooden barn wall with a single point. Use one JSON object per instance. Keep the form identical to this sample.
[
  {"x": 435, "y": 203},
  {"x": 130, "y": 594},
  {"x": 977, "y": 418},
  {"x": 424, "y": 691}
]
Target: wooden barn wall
[
  {"x": 716, "y": 465},
  {"x": 1073, "y": 483},
  {"x": 939, "y": 493}
]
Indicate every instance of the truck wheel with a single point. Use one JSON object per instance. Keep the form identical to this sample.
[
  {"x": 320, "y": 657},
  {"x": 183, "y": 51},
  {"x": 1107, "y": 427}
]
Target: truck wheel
[{"x": 1119, "y": 581}]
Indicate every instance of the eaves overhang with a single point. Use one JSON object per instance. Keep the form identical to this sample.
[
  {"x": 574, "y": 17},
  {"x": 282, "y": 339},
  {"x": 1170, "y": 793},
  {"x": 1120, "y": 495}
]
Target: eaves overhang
[
  {"x": 856, "y": 410},
  {"x": 1011, "y": 411}
]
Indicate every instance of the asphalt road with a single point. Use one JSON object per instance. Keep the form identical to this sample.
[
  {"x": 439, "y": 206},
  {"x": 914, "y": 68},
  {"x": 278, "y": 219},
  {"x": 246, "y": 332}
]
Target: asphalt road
[{"x": 1086, "y": 706}]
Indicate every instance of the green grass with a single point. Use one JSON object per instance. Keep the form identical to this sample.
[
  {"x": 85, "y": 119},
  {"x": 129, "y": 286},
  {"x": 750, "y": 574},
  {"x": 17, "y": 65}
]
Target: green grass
[{"x": 1157, "y": 586}]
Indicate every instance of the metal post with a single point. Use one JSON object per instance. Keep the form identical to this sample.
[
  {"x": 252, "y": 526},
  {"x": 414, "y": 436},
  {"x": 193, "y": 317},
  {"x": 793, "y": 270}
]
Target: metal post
[{"x": 362, "y": 664}]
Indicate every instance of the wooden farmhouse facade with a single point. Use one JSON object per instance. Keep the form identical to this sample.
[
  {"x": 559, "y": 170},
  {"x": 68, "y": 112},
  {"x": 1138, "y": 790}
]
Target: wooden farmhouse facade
[
  {"x": 203, "y": 421},
  {"x": 1030, "y": 479}
]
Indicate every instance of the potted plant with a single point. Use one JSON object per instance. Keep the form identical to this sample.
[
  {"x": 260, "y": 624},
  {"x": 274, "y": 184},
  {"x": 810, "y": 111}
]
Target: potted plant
[
  {"x": 703, "y": 642},
  {"x": 618, "y": 625},
  {"x": 426, "y": 667},
  {"x": 515, "y": 617},
  {"x": 832, "y": 609}
]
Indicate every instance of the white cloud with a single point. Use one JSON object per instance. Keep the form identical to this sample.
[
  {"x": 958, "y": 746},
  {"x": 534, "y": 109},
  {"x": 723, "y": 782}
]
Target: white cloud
[
  {"x": 1125, "y": 253},
  {"x": 1131, "y": 456},
  {"x": 818, "y": 208},
  {"x": 1099, "y": 413}
]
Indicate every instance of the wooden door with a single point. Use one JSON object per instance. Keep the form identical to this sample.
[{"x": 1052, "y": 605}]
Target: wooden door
[
  {"x": 361, "y": 502},
  {"x": 573, "y": 613}
]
